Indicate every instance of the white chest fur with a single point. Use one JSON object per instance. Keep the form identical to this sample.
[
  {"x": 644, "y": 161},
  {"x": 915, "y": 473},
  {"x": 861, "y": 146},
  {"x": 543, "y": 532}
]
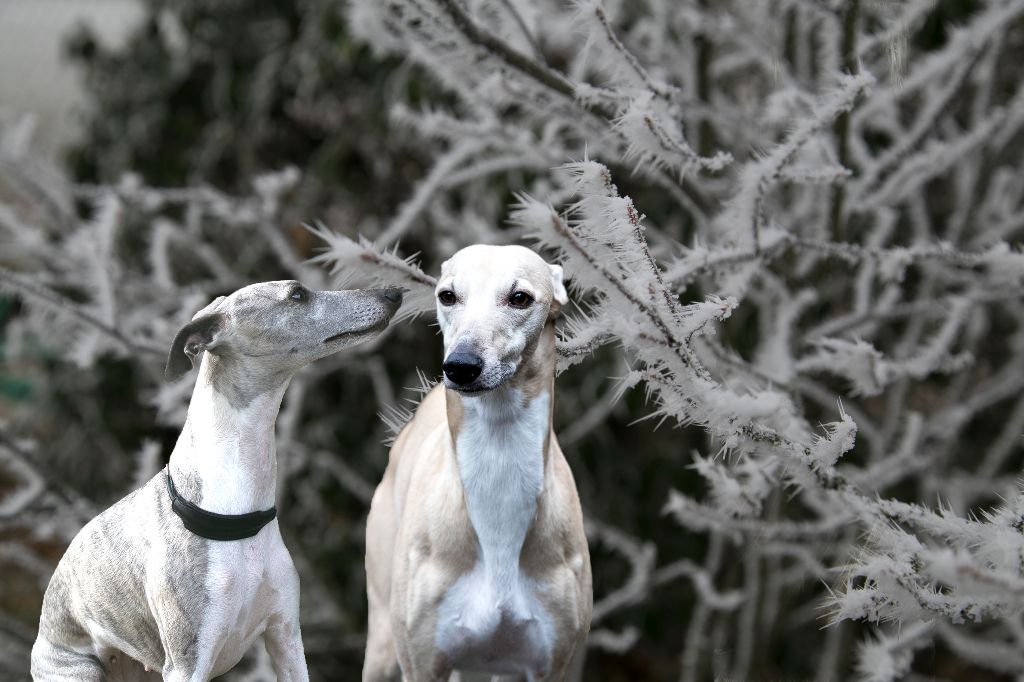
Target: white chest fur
[
  {"x": 491, "y": 620},
  {"x": 241, "y": 574}
]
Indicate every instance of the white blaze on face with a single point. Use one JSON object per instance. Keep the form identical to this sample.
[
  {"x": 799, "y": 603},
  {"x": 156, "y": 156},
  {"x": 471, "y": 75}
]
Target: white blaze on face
[{"x": 484, "y": 319}]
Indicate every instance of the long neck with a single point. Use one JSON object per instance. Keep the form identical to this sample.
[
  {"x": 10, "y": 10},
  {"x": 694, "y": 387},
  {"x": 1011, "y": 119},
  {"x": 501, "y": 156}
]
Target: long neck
[
  {"x": 501, "y": 442},
  {"x": 225, "y": 459}
]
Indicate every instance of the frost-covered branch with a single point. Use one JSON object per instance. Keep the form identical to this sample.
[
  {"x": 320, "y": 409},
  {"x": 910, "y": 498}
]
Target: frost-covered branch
[{"x": 790, "y": 376}]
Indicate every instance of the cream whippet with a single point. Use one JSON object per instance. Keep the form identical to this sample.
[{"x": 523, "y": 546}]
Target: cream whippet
[
  {"x": 476, "y": 557},
  {"x": 137, "y": 590}
]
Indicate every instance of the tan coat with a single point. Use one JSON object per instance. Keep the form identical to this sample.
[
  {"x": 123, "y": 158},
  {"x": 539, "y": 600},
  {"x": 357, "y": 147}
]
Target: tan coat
[{"x": 421, "y": 542}]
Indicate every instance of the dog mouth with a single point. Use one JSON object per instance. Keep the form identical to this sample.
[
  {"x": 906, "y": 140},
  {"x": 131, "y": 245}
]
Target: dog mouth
[
  {"x": 469, "y": 390},
  {"x": 356, "y": 333},
  {"x": 476, "y": 387}
]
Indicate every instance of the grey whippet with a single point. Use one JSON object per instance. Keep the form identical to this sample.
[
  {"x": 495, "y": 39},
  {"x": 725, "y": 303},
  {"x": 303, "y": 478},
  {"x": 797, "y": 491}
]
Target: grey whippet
[
  {"x": 137, "y": 591},
  {"x": 476, "y": 559}
]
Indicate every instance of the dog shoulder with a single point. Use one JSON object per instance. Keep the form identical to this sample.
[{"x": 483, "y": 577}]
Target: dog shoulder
[
  {"x": 428, "y": 415},
  {"x": 100, "y": 579},
  {"x": 432, "y": 408},
  {"x": 560, "y": 515}
]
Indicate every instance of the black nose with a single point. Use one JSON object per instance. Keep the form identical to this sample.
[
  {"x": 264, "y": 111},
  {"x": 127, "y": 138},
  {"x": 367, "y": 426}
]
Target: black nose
[
  {"x": 393, "y": 296},
  {"x": 462, "y": 368}
]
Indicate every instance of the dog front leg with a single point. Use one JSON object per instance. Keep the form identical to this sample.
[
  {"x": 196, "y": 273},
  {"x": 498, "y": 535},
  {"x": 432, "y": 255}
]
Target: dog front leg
[
  {"x": 380, "y": 664},
  {"x": 53, "y": 663},
  {"x": 283, "y": 636},
  {"x": 424, "y": 665},
  {"x": 283, "y": 639},
  {"x": 428, "y": 669}
]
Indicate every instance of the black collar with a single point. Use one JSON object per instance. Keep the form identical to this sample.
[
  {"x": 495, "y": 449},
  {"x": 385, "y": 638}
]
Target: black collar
[{"x": 214, "y": 526}]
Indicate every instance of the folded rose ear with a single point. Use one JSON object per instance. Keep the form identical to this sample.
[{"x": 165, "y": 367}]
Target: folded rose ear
[
  {"x": 558, "y": 286},
  {"x": 212, "y": 307},
  {"x": 202, "y": 333}
]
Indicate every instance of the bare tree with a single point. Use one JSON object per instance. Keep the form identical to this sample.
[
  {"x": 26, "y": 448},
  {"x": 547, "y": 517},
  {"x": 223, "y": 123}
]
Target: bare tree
[{"x": 822, "y": 306}]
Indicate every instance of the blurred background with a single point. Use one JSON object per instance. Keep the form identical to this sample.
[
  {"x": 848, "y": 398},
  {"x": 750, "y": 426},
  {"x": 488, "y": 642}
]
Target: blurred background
[
  {"x": 156, "y": 154},
  {"x": 38, "y": 79}
]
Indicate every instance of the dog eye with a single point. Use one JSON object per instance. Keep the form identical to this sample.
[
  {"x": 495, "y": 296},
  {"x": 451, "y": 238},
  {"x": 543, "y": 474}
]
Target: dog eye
[
  {"x": 447, "y": 297},
  {"x": 520, "y": 299},
  {"x": 299, "y": 293}
]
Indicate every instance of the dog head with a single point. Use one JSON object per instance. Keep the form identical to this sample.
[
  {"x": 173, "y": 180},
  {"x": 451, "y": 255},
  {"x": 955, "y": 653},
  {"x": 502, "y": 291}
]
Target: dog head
[
  {"x": 282, "y": 323},
  {"x": 492, "y": 303}
]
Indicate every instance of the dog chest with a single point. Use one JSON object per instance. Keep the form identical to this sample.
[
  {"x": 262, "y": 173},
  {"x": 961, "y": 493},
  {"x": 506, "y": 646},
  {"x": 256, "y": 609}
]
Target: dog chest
[
  {"x": 242, "y": 588},
  {"x": 500, "y": 453},
  {"x": 490, "y": 619},
  {"x": 495, "y": 628}
]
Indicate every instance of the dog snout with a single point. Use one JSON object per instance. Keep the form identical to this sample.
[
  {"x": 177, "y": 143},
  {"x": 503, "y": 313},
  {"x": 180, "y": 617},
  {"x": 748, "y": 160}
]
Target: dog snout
[{"x": 463, "y": 368}]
